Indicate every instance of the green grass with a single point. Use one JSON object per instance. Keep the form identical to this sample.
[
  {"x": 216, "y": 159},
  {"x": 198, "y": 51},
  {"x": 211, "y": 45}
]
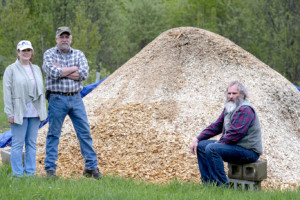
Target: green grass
[{"x": 119, "y": 188}]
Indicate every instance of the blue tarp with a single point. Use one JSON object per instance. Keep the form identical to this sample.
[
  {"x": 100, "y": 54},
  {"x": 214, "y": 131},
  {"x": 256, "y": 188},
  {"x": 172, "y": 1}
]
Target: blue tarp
[
  {"x": 5, "y": 138},
  {"x": 297, "y": 87}
]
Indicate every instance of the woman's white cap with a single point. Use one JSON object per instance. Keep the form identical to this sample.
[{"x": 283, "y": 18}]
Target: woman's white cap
[{"x": 24, "y": 44}]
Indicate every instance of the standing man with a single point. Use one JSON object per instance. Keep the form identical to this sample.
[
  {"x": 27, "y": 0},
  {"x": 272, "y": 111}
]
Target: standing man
[
  {"x": 240, "y": 142},
  {"x": 65, "y": 68}
]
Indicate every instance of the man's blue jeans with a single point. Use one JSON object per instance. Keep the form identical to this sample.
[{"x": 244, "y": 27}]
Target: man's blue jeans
[
  {"x": 25, "y": 133},
  {"x": 59, "y": 107},
  {"x": 211, "y": 155}
]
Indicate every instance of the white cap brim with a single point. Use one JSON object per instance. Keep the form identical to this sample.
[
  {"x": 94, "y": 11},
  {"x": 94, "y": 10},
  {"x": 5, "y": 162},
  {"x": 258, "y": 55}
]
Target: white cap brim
[{"x": 25, "y": 47}]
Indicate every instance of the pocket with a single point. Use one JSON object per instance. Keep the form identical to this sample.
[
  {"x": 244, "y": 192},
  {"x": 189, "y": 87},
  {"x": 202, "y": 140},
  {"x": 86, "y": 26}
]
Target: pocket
[
  {"x": 78, "y": 96},
  {"x": 53, "y": 97}
]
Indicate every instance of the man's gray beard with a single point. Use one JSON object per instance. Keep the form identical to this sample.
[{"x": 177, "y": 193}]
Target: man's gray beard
[
  {"x": 231, "y": 106},
  {"x": 64, "y": 47}
]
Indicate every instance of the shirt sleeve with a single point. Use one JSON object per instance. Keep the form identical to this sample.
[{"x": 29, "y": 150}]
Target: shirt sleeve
[
  {"x": 83, "y": 68},
  {"x": 49, "y": 68},
  {"x": 213, "y": 129},
  {"x": 7, "y": 92},
  {"x": 240, "y": 123}
]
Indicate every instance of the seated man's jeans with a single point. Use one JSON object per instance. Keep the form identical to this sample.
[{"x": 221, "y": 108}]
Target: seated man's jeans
[
  {"x": 59, "y": 107},
  {"x": 211, "y": 155}
]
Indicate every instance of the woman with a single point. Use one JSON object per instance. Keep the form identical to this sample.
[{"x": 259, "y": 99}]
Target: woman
[{"x": 25, "y": 107}]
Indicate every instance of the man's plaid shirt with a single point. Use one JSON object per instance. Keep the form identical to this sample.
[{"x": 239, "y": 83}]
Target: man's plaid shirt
[
  {"x": 240, "y": 123},
  {"x": 54, "y": 82}
]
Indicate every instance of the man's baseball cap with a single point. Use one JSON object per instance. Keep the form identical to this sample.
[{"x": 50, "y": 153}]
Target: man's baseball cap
[
  {"x": 63, "y": 29},
  {"x": 24, "y": 44}
]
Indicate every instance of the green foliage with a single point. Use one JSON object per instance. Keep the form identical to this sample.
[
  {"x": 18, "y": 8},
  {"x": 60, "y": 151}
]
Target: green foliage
[
  {"x": 86, "y": 34},
  {"x": 146, "y": 20},
  {"x": 111, "y": 32},
  {"x": 63, "y": 11},
  {"x": 104, "y": 73},
  {"x": 196, "y": 13},
  {"x": 14, "y": 25},
  {"x": 282, "y": 19},
  {"x": 112, "y": 48},
  {"x": 42, "y": 27}
]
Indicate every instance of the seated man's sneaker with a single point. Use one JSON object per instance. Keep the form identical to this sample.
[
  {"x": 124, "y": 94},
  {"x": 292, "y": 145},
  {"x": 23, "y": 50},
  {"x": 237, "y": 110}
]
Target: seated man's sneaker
[
  {"x": 51, "y": 173},
  {"x": 92, "y": 173}
]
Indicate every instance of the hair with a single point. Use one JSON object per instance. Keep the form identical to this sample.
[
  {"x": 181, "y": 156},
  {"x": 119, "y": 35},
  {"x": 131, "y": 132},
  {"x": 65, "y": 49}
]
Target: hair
[
  {"x": 241, "y": 88},
  {"x": 31, "y": 58}
]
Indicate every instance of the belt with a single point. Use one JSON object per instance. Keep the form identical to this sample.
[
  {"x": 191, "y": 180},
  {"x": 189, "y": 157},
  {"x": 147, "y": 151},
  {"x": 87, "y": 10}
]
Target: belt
[{"x": 64, "y": 93}]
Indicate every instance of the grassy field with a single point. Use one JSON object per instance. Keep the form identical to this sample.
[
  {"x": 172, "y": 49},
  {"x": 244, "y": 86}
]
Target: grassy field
[{"x": 119, "y": 188}]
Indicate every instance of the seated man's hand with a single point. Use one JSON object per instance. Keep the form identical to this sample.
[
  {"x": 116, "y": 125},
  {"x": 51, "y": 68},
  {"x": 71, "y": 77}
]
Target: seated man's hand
[{"x": 194, "y": 146}]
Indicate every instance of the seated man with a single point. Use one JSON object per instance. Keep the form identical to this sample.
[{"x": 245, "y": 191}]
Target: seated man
[{"x": 240, "y": 142}]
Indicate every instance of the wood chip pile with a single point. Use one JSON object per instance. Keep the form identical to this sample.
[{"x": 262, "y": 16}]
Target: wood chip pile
[{"x": 145, "y": 115}]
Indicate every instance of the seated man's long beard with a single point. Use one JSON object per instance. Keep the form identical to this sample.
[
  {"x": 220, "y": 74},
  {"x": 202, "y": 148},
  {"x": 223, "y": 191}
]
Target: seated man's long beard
[{"x": 231, "y": 106}]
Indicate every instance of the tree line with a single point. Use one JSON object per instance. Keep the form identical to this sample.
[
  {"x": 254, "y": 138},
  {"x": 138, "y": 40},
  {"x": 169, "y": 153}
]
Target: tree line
[{"x": 110, "y": 32}]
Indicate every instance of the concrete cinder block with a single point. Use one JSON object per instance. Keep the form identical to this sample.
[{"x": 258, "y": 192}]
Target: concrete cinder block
[
  {"x": 256, "y": 171},
  {"x": 5, "y": 156},
  {"x": 235, "y": 171},
  {"x": 244, "y": 185}
]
